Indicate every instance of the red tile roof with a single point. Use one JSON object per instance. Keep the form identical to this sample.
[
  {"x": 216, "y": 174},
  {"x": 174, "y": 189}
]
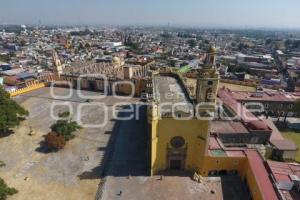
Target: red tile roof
[
  {"x": 227, "y": 99},
  {"x": 253, "y": 123},
  {"x": 213, "y": 143},
  {"x": 264, "y": 96},
  {"x": 276, "y": 135},
  {"x": 258, "y": 125},
  {"x": 228, "y": 127},
  {"x": 284, "y": 144},
  {"x": 261, "y": 175},
  {"x": 282, "y": 170}
]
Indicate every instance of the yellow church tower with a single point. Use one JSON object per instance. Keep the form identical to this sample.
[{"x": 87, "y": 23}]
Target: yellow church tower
[
  {"x": 207, "y": 81},
  {"x": 178, "y": 136},
  {"x": 57, "y": 66}
]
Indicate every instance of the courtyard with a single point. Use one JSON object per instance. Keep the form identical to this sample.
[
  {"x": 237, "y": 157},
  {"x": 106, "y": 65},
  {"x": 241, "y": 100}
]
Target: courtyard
[
  {"x": 109, "y": 162},
  {"x": 69, "y": 174}
]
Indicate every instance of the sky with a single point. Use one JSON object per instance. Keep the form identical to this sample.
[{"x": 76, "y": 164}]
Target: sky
[{"x": 196, "y": 13}]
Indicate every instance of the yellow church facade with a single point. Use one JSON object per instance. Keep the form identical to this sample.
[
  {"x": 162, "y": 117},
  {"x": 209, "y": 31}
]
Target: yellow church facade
[
  {"x": 178, "y": 123},
  {"x": 179, "y": 118},
  {"x": 181, "y": 147}
]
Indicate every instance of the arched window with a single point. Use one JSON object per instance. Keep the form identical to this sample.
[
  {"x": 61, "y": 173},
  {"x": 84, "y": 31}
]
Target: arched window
[
  {"x": 212, "y": 60},
  {"x": 208, "y": 95}
]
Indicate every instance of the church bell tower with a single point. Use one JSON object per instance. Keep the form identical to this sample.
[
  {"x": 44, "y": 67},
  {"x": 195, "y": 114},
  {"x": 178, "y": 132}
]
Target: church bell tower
[
  {"x": 208, "y": 80},
  {"x": 57, "y": 66}
]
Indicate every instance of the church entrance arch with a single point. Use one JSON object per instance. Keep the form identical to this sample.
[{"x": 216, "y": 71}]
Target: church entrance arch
[{"x": 176, "y": 153}]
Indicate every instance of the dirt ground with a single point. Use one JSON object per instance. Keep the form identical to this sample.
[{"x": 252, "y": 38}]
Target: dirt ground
[
  {"x": 70, "y": 174},
  {"x": 169, "y": 187},
  {"x": 27, "y": 170},
  {"x": 118, "y": 150}
]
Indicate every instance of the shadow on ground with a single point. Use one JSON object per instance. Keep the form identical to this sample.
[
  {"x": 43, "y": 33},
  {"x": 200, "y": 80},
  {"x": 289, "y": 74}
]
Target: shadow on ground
[
  {"x": 126, "y": 153},
  {"x": 233, "y": 188},
  {"x": 43, "y": 148},
  {"x": 6, "y": 134},
  {"x": 178, "y": 173},
  {"x": 9, "y": 131}
]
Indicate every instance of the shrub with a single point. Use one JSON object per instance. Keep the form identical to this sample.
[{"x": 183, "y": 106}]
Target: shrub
[
  {"x": 55, "y": 141},
  {"x": 5, "y": 190},
  {"x": 65, "y": 128},
  {"x": 62, "y": 131}
]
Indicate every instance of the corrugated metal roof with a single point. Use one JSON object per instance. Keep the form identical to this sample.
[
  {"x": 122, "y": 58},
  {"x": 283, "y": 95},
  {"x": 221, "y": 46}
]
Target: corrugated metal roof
[
  {"x": 13, "y": 72},
  {"x": 25, "y": 75}
]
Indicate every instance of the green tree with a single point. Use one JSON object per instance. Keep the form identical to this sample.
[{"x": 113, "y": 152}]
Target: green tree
[
  {"x": 134, "y": 46},
  {"x": 268, "y": 41},
  {"x": 192, "y": 43},
  {"x": 80, "y": 46},
  {"x": 5, "y": 58},
  {"x": 297, "y": 107},
  {"x": 87, "y": 45},
  {"x": 62, "y": 131},
  {"x": 237, "y": 68},
  {"x": 65, "y": 127},
  {"x": 22, "y": 43},
  {"x": 5, "y": 190},
  {"x": 10, "y": 112},
  {"x": 64, "y": 115}
]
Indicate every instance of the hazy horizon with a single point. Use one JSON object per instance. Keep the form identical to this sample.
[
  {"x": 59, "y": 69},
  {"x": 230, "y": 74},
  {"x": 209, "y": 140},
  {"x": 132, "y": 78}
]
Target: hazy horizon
[{"x": 266, "y": 14}]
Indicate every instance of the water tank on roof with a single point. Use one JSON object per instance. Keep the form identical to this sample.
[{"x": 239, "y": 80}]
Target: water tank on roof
[{"x": 294, "y": 178}]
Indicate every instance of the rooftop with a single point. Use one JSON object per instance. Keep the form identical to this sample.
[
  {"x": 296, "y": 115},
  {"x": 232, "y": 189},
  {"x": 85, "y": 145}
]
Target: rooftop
[
  {"x": 276, "y": 135},
  {"x": 281, "y": 172},
  {"x": 258, "y": 125},
  {"x": 284, "y": 144},
  {"x": 168, "y": 91},
  {"x": 225, "y": 95},
  {"x": 228, "y": 127},
  {"x": 108, "y": 69},
  {"x": 284, "y": 168},
  {"x": 261, "y": 175},
  {"x": 264, "y": 96},
  {"x": 13, "y": 72}
]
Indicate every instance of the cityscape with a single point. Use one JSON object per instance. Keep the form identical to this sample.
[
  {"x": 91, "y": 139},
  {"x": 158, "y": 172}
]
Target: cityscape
[{"x": 107, "y": 101}]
